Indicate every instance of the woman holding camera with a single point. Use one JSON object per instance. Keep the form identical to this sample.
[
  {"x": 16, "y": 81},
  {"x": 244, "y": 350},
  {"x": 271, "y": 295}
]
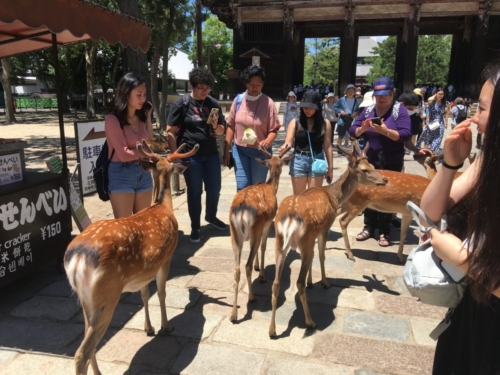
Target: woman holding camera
[
  {"x": 130, "y": 186},
  {"x": 386, "y": 126}
]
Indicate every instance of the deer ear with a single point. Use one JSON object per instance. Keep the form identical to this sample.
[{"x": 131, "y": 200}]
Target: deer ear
[
  {"x": 352, "y": 160},
  {"x": 285, "y": 160},
  {"x": 264, "y": 163},
  {"x": 147, "y": 164}
]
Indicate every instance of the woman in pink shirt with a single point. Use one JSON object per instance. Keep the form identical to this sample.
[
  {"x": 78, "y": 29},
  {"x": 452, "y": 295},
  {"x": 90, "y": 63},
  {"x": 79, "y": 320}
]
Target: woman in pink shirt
[
  {"x": 252, "y": 123},
  {"x": 130, "y": 186}
]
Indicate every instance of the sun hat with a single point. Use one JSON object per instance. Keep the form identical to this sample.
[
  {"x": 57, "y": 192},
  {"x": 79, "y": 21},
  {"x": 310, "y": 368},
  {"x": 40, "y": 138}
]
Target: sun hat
[
  {"x": 418, "y": 91},
  {"x": 367, "y": 99},
  {"x": 330, "y": 95},
  {"x": 382, "y": 86},
  {"x": 311, "y": 99},
  {"x": 291, "y": 93},
  {"x": 350, "y": 86}
]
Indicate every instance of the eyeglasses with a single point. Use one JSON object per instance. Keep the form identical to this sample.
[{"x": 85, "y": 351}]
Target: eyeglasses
[{"x": 203, "y": 88}]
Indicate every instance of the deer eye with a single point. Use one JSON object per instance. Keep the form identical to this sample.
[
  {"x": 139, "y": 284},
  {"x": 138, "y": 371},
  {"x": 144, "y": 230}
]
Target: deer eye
[{"x": 365, "y": 170}]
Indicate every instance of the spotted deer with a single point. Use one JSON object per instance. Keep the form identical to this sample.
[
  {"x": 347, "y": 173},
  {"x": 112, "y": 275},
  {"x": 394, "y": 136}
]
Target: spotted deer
[
  {"x": 429, "y": 163},
  {"x": 250, "y": 218},
  {"x": 304, "y": 217},
  {"x": 123, "y": 255}
]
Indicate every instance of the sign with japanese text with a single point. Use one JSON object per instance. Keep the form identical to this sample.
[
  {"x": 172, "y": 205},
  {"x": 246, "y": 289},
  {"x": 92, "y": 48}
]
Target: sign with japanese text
[
  {"x": 35, "y": 227},
  {"x": 90, "y": 137},
  {"x": 10, "y": 169}
]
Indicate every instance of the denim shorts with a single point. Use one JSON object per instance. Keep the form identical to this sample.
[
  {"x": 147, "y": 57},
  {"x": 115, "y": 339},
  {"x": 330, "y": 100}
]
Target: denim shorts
[
  {"x": 300, "y": 166},
  {"x": 128, "y": 177}
]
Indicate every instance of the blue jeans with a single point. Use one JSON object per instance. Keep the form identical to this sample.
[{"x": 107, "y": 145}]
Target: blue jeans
[
  {"x": 203, "y": 170},
  {"x": 300, "y": 166},
  {"x": 248, "y": 171},
  {"x": 128, "y": 177}
]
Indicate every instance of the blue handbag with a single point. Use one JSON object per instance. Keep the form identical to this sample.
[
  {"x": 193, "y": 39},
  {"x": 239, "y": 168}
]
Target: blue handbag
[{"x": 318, "y": 166}]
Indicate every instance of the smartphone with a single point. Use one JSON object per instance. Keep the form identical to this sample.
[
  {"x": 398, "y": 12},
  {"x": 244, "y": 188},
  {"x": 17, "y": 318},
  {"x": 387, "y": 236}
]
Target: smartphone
[
  {"x": 328, "y": 180},
  {"x": 147, "y": 106},
  {"x": 213, "y": 113},
  {"x": 376, "y": 120}
]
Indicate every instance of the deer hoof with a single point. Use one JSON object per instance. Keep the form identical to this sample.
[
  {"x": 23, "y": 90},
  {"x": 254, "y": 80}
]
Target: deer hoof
[
  {"x": 325, "y": 284},
  {"x": 350, "y": 257},
  {"x": 233, "y": 318},
  {"x": 272, "y": 332},
  {"x": 262, "y": 279},
  {"x": 311, "y": 325},
  {"x": 150, "y": 331},
  {"x": 400, "y": 258},
  {"x": 310, "y": 285},
  {"x": 166, "y": 330},
  {"x": 256, "y": 268}
]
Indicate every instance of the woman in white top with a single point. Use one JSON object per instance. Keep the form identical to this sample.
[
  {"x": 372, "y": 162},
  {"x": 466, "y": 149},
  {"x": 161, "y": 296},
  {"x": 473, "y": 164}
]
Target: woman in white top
[
  {"x": 329, "y": 111},
  {"x": 291, "y": 109}
]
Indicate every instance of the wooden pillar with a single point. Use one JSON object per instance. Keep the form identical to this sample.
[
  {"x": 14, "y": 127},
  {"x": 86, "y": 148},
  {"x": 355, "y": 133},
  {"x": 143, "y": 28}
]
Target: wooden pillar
[
  {"x": 479, "y": 47},
  {"x": 298, "y": 57},
  {"x": 406, "y": 50},
  {"x": 399, "y": 62},
  {"x": 348, "y": 52},
  {"x": 288, "y": 67}
]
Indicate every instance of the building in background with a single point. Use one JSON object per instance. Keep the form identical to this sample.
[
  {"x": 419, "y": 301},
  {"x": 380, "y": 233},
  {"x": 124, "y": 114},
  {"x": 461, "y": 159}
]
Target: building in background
[{"x": 363, "y": 66}]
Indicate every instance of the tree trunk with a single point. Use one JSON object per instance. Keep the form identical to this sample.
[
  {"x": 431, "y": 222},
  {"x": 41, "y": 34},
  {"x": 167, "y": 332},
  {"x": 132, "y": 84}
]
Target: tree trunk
[
  {"x": 90, "y": 53},
  {"x": 7, "y": 89},
  {"x": 154, "y": 80},
  {"x": 135, "y": 61},
  {"x": 164, "y": 83},
  {"x": 115, "y": 67}
]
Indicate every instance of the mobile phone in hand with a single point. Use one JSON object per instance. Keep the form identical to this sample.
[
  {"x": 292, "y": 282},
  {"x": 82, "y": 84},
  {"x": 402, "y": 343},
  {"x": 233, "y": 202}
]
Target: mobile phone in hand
[
  {"x": 376, "y": 120},
  {"x": 147, "y": 106},
  {"x": 213, "y": 113}
]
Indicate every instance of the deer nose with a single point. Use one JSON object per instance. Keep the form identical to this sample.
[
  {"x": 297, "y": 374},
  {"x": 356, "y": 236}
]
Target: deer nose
[{"x": 385, "y": 180}]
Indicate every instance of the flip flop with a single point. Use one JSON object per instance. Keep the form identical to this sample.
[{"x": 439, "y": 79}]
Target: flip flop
[
  {"x": 363, "y": 236},
  {"x": 384, "y": 240}
]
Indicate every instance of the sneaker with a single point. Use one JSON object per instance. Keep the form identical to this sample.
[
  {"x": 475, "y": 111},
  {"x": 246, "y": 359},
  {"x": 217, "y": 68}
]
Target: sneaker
[
  {"x": 218, "y": 224},
  {"x": 194, "y": 236}
]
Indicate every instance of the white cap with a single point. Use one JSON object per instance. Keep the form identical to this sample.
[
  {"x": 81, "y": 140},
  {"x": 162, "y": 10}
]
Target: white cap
[
  {"x": 367, "y": 99},
  {"x": 291, "y": 93}
]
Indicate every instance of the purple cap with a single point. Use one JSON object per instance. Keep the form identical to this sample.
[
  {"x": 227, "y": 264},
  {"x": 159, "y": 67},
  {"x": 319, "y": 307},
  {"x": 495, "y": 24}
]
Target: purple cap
[{"x": 382, "y": 86}]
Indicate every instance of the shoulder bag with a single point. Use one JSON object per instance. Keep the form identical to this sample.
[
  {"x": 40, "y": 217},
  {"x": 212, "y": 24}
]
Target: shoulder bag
[
  {"x": 427, "y": 277},
  {"x": 101, "y": 172},
  {"x": 318, "y": 166}
]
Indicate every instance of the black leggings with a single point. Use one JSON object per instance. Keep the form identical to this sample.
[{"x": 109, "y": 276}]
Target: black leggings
[{"x": 380, "y": 220}]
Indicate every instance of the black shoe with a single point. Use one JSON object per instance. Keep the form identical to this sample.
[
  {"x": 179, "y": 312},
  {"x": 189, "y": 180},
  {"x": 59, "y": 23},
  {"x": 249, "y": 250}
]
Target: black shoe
[
  {"x": 194, "y": 236},
  {"x": 217, "y": 223},
  {"x": 396, "y": 223}
]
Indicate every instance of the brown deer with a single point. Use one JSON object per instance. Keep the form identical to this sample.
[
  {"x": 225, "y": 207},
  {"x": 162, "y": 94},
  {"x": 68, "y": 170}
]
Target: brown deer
[
  {"x": 113, "y": 256},
  {"x": 429, "y": 163},
  {"x": 304, "y": 217},
  {"x": 250, "y": 218}
]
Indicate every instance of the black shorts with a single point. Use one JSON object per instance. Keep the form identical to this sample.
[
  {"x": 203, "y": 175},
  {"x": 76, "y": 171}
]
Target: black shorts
[{"x": 416, "y": 124}]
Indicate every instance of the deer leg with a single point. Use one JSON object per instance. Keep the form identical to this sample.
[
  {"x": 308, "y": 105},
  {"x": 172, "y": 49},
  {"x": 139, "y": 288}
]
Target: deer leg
[
  {"x": 254, "y": 249},
  {"x": 307, "y": 257},
  {"x": 321, "y": 246},
  {"x": 344, "y": 221},
  {"x": 263, "y": 246},
  {"x": 280, "y": 254},
  {"x": 148, "y": 328},
  {"x": 93, "y": 360},
  {"x": 161, "y": 285},
  {"x": 309, "y": 277},
  {"x": 405, "y": 225},
  {"x": 237, "y": 247}
]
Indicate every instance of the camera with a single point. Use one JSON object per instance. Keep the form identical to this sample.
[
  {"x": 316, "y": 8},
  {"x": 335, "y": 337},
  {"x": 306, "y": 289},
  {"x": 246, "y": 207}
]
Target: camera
[{"x": 147, "y": 106}]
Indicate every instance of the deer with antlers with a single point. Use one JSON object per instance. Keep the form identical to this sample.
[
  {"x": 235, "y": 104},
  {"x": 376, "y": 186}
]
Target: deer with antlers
[
  {"x": 113, "y": 256},
  {"x": 304, "y": 217},
  {"x": 250, "y": 217}
]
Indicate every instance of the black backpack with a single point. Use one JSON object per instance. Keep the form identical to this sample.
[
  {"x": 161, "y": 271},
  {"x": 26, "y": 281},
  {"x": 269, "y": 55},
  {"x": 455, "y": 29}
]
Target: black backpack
[
  {"x": 462, "y": 115},
  {"x": 101, "y": 172}
]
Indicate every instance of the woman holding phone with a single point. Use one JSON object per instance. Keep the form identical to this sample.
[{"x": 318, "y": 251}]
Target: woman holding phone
[{"x": 385, "y": 127}]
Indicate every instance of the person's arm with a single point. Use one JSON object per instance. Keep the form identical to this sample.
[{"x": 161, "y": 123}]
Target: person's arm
[
  {"x": 116, "y": 140},
  {"x": 338, "y": 107},
  {"x": 290, "y": 135},
  {"x": 149, "y": 124},
  {"x": 327, "y": 147}
]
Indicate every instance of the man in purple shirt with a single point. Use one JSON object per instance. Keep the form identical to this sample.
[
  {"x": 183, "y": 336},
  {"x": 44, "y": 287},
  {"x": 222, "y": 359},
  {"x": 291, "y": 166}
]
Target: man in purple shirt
[{"x": 386, "y": 126}]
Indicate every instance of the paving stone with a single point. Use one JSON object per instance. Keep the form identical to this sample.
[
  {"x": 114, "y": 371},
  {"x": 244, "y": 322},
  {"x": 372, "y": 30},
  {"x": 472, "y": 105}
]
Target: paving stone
[
  {"x": 214, "y": 281},
  {"x": 47, "y": 307},
  {"x": 140, "y": 349},
  {"x": 376, "y": 355},
  {"x": 342, "y": 297},
  {"x": 217, "y": 252},
  {"x": 422, "y": 328},
  {"x": 375, "y": 267},
  {"x": 212, "y": 264},
  {"x": 408, "y": 306},
  {"x": 398, "y": 285},
  {"x": 331, "y": 263},
  {"x": 280, "y": 367},
  {"x": 179, "y": 281},
  {"x": 214, "y": 360},
  {"x": 221, "y": 303},
  {"x": 186, "y": 323},
  {"x": 60, "y": 288},
  {"x": 180, "y": 298},
  {"x": 123, "y": 313},
  {"x": 366, "y": 372},
  {"x": 7, "y": 355},
  {"x": 255, "y": 334},
  {"x": 54, "y": 365},
  {"x": 38, "y": 335},
  {"x": 376, "y": 325}
]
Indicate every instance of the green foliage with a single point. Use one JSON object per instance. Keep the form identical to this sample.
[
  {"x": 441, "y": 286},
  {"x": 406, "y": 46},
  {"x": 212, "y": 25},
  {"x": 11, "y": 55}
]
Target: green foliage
[
  {"x": 216, "y": 32},
  {"x": 433, "y": 59},
  {"x": 325, "y": 51}
]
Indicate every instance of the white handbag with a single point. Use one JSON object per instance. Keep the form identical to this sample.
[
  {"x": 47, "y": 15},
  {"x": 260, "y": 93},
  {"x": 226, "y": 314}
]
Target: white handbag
[
  {"x": 433, "y": 125},
  {"x": 427, "y": 277}
]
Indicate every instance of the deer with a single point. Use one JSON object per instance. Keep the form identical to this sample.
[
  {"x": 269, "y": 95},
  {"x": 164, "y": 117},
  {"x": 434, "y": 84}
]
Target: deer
[
  {"x": 304, "y": 217},
  {"x": 429, "y": 163},
  {"x": 123, "y": 255},
  {"x": 250, "y": 218}
]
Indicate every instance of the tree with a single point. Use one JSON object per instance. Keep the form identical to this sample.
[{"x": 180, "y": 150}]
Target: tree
[
  {"x": 215, "y": 32},
  {"x": 90, "y": 54},
  {"x": 433, "y": 59},
  {"x": 325, "y": 52},
  {"x": 7, "y": 89}
]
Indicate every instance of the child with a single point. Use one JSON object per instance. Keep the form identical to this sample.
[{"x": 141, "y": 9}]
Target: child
[{"x": 291, "y": 111}]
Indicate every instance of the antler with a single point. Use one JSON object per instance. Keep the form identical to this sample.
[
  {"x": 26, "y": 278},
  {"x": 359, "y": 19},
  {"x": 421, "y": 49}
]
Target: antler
[
  {"x": 265, "y": 152},
  {"x": 285, "y": 150},
  {"x": 345, "y": 152},
  {"x": 178, "y": 155},
  {"x": 146, "y": 152}
]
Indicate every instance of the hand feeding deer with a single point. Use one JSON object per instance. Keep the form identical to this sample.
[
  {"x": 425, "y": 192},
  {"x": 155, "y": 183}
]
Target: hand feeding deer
[
  {"x": 304, "y": 217},
  {"x": 125, "y": 254},
  {"x": 250, "y": 217}
]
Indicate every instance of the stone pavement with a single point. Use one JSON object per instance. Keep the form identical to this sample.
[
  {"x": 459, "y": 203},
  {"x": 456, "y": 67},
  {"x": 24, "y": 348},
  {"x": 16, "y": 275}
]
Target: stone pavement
[{"x": 367, "y": 323}]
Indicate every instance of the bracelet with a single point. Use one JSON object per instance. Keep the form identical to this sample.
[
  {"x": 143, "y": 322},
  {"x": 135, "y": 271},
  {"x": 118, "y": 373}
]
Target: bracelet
[{"x": 452, "y": 166}]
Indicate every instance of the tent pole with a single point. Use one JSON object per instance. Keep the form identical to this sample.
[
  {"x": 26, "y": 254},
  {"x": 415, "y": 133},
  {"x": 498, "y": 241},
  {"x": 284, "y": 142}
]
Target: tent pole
[{"x": 65, "y": 169}]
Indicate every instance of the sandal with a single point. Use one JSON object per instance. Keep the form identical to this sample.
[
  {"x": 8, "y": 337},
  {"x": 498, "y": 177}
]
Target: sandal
[
  {"x": 363, "y": 236},
  {"x": 384, "y": 240}
]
